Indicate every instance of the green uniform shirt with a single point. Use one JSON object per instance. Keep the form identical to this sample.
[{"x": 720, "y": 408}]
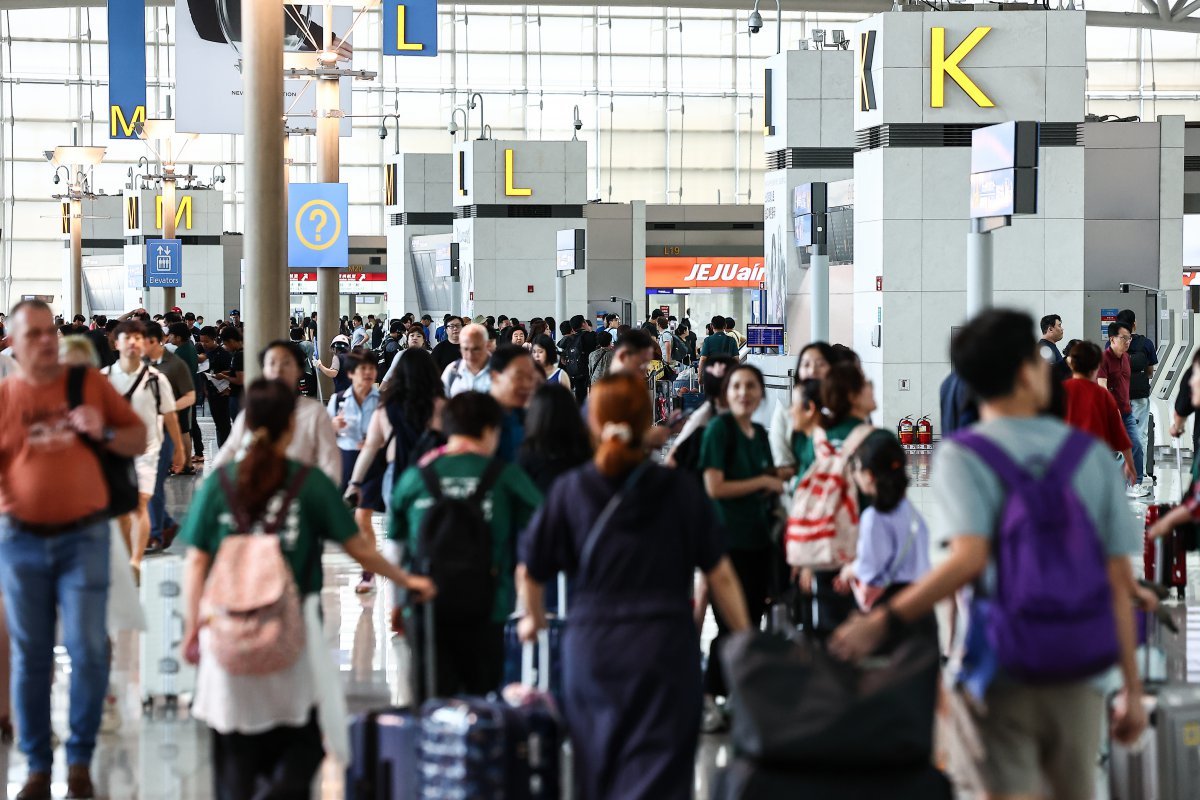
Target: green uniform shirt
[
  {"x": 802, "y": 451},
  {"x": 187, "y": 352},
  {"x": 718, "y": 344},
  {"x": 747, "y": 519},
  {"x": 838, "y": 433},
  {"x": 507, "y": 507},
  {"x": 317, "y": 513}
]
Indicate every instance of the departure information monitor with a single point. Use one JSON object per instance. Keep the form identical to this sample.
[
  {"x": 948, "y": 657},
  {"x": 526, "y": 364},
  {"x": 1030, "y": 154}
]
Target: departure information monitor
[{"x": 764, "y": 335}]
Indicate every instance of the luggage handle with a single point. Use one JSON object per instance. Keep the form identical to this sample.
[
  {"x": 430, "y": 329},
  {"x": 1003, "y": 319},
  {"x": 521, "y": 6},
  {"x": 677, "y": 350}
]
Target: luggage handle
[{"x": 542, "y": 680}]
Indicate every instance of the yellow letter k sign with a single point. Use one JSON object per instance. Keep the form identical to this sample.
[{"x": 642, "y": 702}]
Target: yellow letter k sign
[{"x": 942, "y": 65}]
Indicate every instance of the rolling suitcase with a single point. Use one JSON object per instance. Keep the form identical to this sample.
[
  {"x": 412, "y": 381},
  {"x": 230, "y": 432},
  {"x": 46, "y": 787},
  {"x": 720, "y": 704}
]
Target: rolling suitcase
[
  {"x": 746, "y": 780},
  {"x": 163, "y": 675},
  {"x": 1165, "y": 559},
  {"x": 1164, "y": 764},
  {"x": 489, "y": 750},
  {"x": 385, "y": 756},
  {"x": 527, "y": 664}
]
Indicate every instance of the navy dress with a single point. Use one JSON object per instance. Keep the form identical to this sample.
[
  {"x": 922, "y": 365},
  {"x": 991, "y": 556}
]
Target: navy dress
[{"x": 631, "y": 667}]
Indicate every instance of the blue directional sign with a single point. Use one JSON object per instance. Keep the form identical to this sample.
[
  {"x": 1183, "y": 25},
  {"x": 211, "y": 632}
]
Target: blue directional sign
[
  {"x": 126, "y": 67},
  {"x": 318, "y": 233},
  {"x": 164, "y": 262},
  {"x": 410, "y": 28}
]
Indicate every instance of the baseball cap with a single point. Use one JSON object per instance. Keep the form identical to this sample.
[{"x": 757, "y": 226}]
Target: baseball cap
[
  {"x": 235, "y": 313},
  {"x": 479, "y": 319},
  {"x": 340, "y": 339},
  {"x": 176, "y": 309}
]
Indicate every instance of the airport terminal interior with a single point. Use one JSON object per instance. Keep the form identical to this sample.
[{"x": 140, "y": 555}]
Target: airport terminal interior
[{"x": 871, "y": 471}]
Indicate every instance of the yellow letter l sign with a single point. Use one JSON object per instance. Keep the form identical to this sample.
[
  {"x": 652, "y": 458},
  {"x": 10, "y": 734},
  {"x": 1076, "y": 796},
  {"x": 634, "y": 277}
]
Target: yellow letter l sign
[
  {"x": 509, "y": 189},
  {"x": 942, "y": 65}
]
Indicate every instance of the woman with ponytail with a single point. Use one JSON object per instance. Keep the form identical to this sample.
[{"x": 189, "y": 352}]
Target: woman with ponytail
[
  {"x": 266, "y": 736},
  {"x": 631, "y": 678}
]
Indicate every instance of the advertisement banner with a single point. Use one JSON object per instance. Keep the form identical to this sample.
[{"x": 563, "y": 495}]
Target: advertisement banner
[
  {"x": 685, "y": 272},
  {"x": 208, "y": 48},
  {"x": 126, "y": 67}
]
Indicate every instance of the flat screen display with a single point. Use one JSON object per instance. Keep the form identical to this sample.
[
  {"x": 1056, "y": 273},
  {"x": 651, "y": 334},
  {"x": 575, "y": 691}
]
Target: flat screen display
[{"x": 764, "y": 335}]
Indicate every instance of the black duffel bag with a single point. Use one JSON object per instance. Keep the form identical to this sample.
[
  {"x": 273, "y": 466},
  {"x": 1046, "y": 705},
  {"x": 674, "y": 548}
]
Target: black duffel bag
[{"x": 795, "y": 705}]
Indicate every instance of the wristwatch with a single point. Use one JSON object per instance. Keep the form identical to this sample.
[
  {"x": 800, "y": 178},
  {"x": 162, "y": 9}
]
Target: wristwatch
[{"x": 107, "y": 434}]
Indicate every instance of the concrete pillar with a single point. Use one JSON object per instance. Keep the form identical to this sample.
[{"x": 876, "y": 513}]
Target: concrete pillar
[
  {"x": 168, "y": 206},
  {"x": 328, "y": 160},
  {"x": 266, "y": 206},
  {"x": 76, "y": 254}
]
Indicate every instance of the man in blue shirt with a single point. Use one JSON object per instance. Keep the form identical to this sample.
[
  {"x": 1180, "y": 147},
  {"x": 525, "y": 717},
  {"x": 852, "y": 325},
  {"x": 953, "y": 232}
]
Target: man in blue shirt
[
  {"x": 514, "y": 379},
  {"x": 351, "y": 411}
]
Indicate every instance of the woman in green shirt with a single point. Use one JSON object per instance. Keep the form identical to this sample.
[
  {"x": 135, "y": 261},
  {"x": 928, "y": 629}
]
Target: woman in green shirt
[
  {"x": 739, "y": 475},
  {"x": 265, "y": 727}
]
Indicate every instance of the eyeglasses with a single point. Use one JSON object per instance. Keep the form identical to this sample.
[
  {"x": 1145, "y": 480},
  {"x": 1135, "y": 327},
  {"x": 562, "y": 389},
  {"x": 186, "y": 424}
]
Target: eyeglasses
[{"x": 1125, "y": 338}]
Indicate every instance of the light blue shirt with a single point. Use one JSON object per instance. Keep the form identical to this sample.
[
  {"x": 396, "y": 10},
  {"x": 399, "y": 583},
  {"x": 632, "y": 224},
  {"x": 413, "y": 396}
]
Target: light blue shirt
[
  {"x": 893, "y": 546},
  {"x": 358, "y": 417}
]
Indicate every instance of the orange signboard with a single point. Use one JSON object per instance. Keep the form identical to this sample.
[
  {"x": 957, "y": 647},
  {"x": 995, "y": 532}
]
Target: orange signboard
[{"x": 737, "y": 272}]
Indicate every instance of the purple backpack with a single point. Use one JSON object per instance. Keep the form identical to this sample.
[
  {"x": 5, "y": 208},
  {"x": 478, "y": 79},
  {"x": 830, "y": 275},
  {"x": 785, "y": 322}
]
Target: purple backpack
[{"x": 1050, "y": 619}]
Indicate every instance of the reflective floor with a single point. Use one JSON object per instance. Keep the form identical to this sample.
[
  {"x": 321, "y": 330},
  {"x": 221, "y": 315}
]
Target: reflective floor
[{"x": 166, "y": 756}]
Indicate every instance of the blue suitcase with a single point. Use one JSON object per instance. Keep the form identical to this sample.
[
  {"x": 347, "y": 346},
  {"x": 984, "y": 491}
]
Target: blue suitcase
[
  {"x": 385, "y": 759},
  {"x": 485, "y": 750}
]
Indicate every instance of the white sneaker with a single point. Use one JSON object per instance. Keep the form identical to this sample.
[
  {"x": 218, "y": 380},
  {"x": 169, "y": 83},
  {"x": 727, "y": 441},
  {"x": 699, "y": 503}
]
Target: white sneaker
[{"x": 110, "y": 719}]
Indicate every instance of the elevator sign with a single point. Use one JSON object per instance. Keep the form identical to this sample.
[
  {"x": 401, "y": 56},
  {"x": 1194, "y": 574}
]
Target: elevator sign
[{"x": 164, "y": 263}]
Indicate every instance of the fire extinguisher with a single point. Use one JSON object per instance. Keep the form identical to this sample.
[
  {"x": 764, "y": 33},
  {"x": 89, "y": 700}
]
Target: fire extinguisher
[
  {"x": 924, "y": 430},
  {"x": 905, "y": 430}
]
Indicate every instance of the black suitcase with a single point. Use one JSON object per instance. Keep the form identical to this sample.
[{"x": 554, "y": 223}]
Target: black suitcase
[
  {"x": 745, "y": 780},
  {"x": 385, "y": 759}
]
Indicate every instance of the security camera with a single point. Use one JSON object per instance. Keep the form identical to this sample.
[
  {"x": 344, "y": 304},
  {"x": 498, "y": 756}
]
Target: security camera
[
  {"x": 452, "y": 128},
  {"x": 57, "y": 179},
  {"x": 755, "y": 22},
  {"x": 383, "y": 131}
]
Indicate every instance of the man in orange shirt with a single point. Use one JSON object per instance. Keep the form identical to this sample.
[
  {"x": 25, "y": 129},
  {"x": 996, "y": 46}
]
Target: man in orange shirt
[{"x": 54, "y": 540}]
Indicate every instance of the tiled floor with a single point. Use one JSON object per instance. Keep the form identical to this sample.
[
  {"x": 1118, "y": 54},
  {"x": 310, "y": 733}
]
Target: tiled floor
[{"x": 167, "y": 758}]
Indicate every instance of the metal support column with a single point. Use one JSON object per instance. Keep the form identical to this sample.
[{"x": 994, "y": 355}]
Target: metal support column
[
  {"x": 76, "y": 251},
  {"x": 168, "y": 228},
  {"x": 560, "y": 300},
  {"x": 328, "y": 159},
  {"x": 979, "y": 262},
  {"x": 266, "y": 210},
  {"x": 819, "y": 272}
]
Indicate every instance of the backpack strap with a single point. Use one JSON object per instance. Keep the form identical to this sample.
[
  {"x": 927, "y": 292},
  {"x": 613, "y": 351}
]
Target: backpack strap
[
  {"x": 433, "y": 484},
  {"x": 593, "y": 536},
  {"x": 289, "y": 496},
  {"x": 137, "y": 382},
  {"x": 1005, "y": 468},
  {"x": 1070, "y": 455},
  {"x": 75, "y": 379},
  {"x": 239, "y": 518},
  {"x": 856, "y": 438},
  {"x": 487, "y": 480}
]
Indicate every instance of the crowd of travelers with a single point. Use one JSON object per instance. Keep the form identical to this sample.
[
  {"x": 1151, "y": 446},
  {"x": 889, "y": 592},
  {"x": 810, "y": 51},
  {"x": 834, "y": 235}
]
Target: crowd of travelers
[{"x": 539, "y": 429}]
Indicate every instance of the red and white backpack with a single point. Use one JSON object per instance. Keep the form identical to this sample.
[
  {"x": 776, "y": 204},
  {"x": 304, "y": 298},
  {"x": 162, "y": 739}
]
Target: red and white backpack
[{"x": 822, "y": 526}]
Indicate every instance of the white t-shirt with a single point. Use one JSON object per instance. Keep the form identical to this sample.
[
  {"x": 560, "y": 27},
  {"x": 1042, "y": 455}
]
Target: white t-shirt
[{"x": 146, "y": 404}]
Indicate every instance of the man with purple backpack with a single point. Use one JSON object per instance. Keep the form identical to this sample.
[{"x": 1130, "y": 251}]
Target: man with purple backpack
[{"x": 1038, "y": 524}]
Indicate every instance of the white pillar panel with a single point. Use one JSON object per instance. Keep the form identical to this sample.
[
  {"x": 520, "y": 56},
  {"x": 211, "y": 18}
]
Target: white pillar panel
[
  {"x": 912, "y": 191},
  {"x": 415, "y": 184}
]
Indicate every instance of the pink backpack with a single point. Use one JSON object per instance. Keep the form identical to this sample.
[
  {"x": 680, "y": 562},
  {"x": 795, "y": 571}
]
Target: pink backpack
[
  {"x": 822, "y": 526},
  {"x": 251, "y": 604}
]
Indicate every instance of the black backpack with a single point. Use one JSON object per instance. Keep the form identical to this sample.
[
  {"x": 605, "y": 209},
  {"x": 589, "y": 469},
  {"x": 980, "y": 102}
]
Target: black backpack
[
  {"x": 387, "y": 354},
  {"x": 118, "y": 470},
  {"x": 570, "y": 354},
  {"x": 455, "y": 549}
]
